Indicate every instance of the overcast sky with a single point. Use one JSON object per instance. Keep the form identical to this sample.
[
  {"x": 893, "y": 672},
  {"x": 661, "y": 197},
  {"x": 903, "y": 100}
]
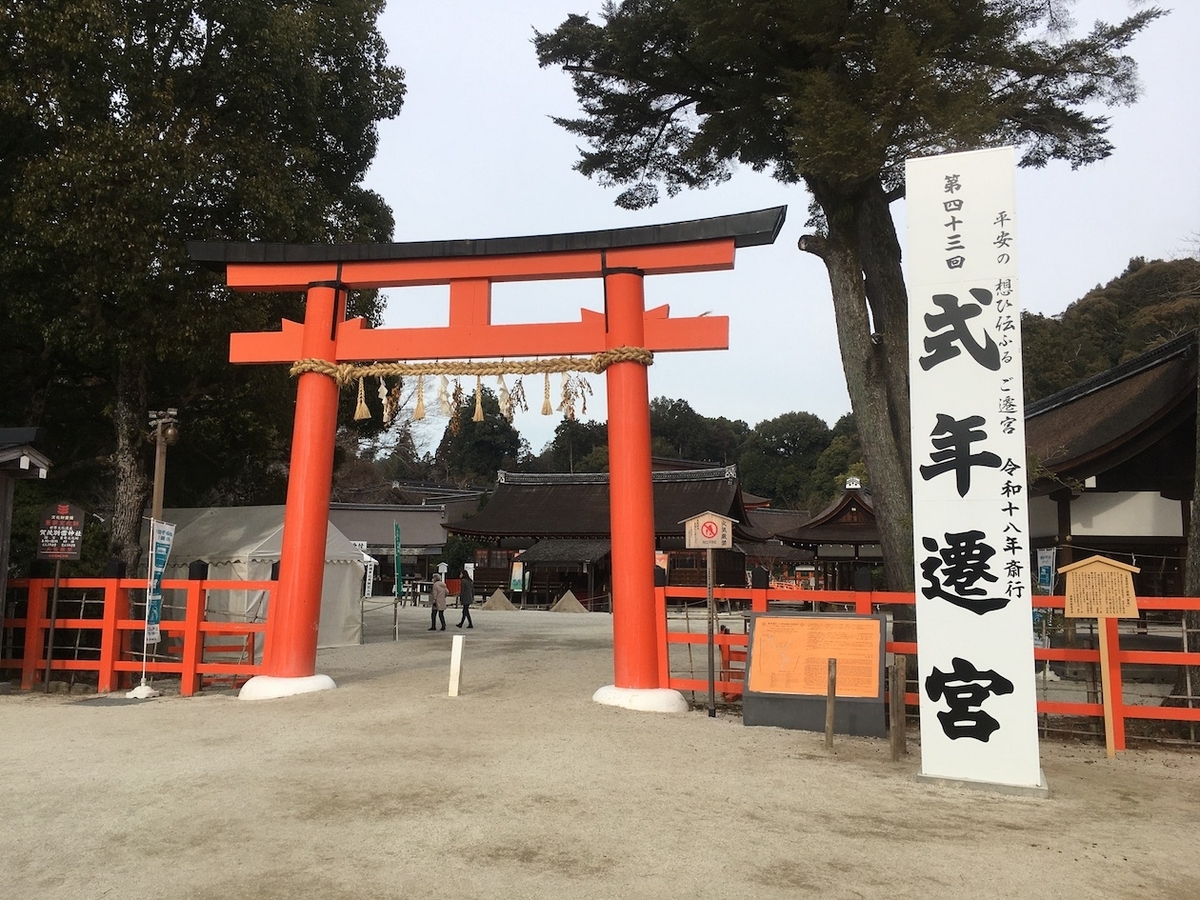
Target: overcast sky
[{"x": 474, "y": 154}]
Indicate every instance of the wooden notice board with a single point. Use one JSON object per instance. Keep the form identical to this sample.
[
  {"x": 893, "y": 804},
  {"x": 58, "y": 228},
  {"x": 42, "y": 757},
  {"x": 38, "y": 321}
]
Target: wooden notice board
[
  {"x": 791, "y": 654},
  {"x": 787, "y": 669},
  {"x": 1098, "y": 588},
  {"x": 1102, "y": 588}
]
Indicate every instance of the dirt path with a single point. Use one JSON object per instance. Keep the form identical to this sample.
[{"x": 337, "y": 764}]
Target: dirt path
[{"x": 523, "y": 787}]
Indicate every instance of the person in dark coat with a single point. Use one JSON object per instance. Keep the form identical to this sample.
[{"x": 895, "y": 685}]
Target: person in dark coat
[{"x": 466, "y": 595}]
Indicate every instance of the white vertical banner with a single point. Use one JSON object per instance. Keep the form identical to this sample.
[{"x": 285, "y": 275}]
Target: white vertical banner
[{"x": 970, "y": 504}]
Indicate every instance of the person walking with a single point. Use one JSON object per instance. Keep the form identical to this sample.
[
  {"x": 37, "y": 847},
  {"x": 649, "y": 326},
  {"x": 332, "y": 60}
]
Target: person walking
[
  {"x": 437, "y": 603},
  {"x": 466, "y": 595}
]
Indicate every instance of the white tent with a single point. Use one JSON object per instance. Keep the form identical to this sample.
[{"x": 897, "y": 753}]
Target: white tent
[{"x": 242, "y": 544}]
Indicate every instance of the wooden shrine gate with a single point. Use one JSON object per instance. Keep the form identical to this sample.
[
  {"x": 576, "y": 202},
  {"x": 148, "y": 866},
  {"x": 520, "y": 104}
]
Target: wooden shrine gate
[{"x": 626, "y": 330}]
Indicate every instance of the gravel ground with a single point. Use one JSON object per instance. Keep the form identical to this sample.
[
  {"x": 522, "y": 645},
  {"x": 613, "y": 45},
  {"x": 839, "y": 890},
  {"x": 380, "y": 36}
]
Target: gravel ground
[{"x": 523, "y": 787}]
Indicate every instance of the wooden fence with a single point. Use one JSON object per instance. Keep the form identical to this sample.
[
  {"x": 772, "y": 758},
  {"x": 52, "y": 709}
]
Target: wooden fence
[
  {"x": 200, "y": 648},
  {"x": 733, "y": 646}
]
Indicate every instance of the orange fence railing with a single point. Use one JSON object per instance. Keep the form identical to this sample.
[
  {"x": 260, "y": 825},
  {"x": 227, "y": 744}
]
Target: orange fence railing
[
  {"x": 733, "y": 646},
  {"x": 200, "y": 648}
]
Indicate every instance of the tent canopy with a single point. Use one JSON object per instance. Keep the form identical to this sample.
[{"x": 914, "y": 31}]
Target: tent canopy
[
  {"x": 242, "y": 534},
  {"x": 243, "y": 543}
]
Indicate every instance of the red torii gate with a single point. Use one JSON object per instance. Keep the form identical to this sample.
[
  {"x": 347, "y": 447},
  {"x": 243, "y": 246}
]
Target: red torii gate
[{"x": 621, "y": 257}]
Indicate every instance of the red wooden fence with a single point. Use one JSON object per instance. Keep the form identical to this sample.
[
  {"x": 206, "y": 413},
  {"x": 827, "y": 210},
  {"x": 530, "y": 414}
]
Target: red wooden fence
[
  {"x": 867, "y": 602},
  {"x": 118, "y": 662}
]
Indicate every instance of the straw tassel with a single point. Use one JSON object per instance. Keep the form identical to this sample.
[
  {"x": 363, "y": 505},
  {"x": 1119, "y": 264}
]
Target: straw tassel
[
  {"x": 547, "y": 408},
  {"x": 362, "y": 411},
  {"x": 419, "y": 412},
  {"x": 478, "y": 417}
]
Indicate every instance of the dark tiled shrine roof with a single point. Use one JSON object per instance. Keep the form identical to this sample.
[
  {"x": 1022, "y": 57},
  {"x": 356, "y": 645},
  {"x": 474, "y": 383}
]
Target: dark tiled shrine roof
[
  {"x": 1106, "y": 421},
  {"x": 567, "y": 550},
  {"x": 773, "y": 521},
  {"x": 827, "y": 526},
  {"x": 19, "y": 458},
  {"x": 576, "y": 506}
]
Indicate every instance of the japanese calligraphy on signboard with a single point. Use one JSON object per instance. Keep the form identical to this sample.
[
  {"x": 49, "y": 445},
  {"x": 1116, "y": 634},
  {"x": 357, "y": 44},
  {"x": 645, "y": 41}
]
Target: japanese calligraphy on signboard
[
  {"x": 970, "y": 516},
  {"x": 60, "y": 532},
  {"x": 708, "y": 531},
  {"x": 790, "y": 655},
  {"x": 1100, "y": 588}
]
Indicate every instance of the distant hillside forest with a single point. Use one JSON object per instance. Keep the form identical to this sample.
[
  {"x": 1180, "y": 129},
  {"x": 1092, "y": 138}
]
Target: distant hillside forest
[
  {"x": 1146, "y": 305},
  {"x": 796, "y": 459}
]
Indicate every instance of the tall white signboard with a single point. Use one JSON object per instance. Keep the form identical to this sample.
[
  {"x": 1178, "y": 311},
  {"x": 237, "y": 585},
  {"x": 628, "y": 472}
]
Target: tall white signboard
[{"x": 970, "y": 506}]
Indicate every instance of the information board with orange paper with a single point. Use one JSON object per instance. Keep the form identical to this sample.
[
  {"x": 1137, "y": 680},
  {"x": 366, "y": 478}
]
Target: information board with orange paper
[{"x": 790, "y": 655}]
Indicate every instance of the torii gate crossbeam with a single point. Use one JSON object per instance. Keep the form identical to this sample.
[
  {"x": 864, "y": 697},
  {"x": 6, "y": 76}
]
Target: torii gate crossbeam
[{"x": 620, "y": 257}]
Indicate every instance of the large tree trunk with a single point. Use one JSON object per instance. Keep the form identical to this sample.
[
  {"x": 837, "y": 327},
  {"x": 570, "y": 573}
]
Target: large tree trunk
[
  {"x": 887, "y": 296},
  {"x": 862, "y": 257},
  {"x": 129, "y": 463}
]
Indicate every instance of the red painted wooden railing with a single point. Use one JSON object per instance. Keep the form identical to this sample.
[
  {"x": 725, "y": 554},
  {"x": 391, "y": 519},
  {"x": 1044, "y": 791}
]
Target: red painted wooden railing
[
  {"x": 867, "y": 602},
  {"x": 118, "y": 663}
]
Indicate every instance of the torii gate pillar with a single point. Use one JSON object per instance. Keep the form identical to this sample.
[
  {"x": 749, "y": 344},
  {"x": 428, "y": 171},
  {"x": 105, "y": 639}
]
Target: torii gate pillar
[
  {"x": 293, "y": 647},
  {"x": 635, "y": 637},
  {"x": 621, "y": 257}
]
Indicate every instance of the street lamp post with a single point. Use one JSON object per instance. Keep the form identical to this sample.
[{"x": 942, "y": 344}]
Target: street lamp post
[{"x": 166, "y": 432}]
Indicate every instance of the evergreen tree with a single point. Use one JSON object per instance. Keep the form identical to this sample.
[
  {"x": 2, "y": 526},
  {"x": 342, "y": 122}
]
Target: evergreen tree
[
  {"x": 1147, "y": 304},
  {"x": 128, "y": 127},
  {"x": 471, "y": 452},
  {"x": 836, "y": 94}
]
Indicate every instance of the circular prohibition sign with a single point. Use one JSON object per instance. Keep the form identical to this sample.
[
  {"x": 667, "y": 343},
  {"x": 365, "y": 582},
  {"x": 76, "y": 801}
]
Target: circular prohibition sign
[{"x": 708, "y": 530}]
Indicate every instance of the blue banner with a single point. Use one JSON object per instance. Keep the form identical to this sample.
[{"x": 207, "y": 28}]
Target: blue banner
[{"x": 161, "y": 537}]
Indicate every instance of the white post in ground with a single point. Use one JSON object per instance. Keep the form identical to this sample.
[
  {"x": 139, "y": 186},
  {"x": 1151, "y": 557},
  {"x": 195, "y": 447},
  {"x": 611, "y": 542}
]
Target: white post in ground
[{"x": 456, "y": 653}]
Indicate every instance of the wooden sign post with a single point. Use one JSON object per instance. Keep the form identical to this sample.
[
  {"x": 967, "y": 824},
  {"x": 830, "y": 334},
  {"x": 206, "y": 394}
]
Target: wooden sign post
[
  {"x": 710, "y": 531},
  {"x": 60, "y": 536},
  {"x": 788, "y": 676},
  {"x": 1103, "y": 588}
]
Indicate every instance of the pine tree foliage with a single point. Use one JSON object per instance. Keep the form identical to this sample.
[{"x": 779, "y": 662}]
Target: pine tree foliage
[{"x": 835, "y": 95}]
